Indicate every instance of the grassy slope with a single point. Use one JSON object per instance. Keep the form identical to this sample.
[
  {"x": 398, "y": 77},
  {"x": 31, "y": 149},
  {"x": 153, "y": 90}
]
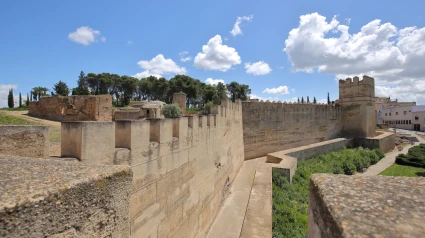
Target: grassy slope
[
  {"x": 403, "y": 170},
  {"x": 55, "y": 133}
]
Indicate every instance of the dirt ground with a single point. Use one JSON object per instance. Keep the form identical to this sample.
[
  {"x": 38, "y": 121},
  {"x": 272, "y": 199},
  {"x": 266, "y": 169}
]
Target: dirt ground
[{"x": 54, "y": 129}]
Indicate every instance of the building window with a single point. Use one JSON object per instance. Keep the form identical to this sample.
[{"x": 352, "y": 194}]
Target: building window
[
  {"x": 390, "y": 113},
  {"x": 416, "y": 118},
  {"x": 405, "y": 112},
  {"x": 396, "y": 113},
  {"x": 410, "y": 122},
  {"x": 385, "y": 114}
]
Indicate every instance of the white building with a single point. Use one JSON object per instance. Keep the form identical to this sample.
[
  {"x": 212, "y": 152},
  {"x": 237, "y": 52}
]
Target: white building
[{"x": 406, "y": 117}]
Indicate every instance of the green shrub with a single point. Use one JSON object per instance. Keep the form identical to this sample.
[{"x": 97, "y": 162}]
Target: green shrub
[
  {"x": 193, "y": 110},
  {"x": 415, "y": 157},
  {"x": 207, "y": 108},
  {"x": 171, "y": 111},
  {"x": 379, "y": 152},
  {"x": 290, "y": 201}
]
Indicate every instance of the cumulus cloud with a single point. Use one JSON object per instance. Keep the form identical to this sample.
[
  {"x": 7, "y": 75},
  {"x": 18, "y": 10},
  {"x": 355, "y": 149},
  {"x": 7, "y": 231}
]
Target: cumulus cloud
[
  {"x": 271, "y": 99},
  {"x": 237, "y": 27},
  {"x": 85, "y": 35},
  {"x": 145, "y": 74},
  {"x": 158, "y": 66},
  {"x": 394, "y": 57},
  {"x": 4, "y": 93},
  {"x": 279, "y": 90},
  {"x": 257, "y": 68},
  {"x": 184, "y": 56},
  {"x": 211, "y": 81},
  {"x": 216, "y": 56}
]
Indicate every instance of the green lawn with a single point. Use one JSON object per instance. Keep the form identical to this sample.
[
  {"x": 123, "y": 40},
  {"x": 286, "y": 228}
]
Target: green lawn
[
  {"x": 13, "y": 120},
  {"x": 403, "y": 170},
  {"x": 55, "y": 132},
  {"x": 14, "y": 109}
]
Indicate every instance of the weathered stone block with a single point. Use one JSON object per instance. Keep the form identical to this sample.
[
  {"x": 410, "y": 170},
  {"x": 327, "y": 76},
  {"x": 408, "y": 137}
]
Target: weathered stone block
[
  {"x": 90, "y": 142},
  {"x": 31, "y": 141}
]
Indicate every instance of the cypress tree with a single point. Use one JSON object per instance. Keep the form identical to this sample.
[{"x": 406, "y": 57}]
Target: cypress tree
[
  {"x": 27, "y": 102},
  {"x": 308, "y": 99},
  {"x": 20, "y": 100},
  {"x": 10, "y": 101},
  {"x": 298, "y": 100},
  {"x": 302, "y": 99},
  {"x": 314, "y": 100},
  {"x": 329, "y": 99}
]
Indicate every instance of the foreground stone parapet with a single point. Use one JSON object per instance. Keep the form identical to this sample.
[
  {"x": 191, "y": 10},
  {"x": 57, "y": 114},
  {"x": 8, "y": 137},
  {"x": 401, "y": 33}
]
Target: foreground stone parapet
[
  {"x": 24, "y": 141},
  {"x": 372, "y": 206},
  {"x": 52, "y": 198},
  {"x": 90, "y": 142}
]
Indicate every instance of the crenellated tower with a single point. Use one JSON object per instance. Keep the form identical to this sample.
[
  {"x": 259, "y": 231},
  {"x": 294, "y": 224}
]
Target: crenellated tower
[{"x": 357, "y": 99}]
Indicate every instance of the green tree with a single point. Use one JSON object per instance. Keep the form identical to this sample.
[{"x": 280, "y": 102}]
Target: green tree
[
  {"x": 74, "y": 91},
  {"x": 238, "y": 91},
  {"x": 171, "y": 111},
  {"x": 61, "y": 88},
  {"x": 10, "y": 100},
  {"x": 221, "y": 91},
  {"x": 302, "y": 99},
  {"x": 27, "y": 102},
  {"x": 298, "y": 100},
  {"x": 20, "y": 100},
  {"x": 314, "y": 100},
  {"x": 308, "y": 99},
  {"x": 82, "y": 88},
  {"x": 329, "y": 99}
]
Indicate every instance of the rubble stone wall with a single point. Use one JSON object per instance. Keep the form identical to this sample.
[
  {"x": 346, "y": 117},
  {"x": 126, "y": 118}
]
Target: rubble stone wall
[{"x": 73, "y": 108}]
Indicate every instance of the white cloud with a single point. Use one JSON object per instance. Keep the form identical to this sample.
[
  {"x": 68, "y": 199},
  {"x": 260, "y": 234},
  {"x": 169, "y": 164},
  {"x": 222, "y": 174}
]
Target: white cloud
[
  {"x": 4, "y": 93},
  {"x": 211, "y": 81},
  {"x": 236, "y": 28},
  {"x": 322, "y": 101},
  {"x": 85, "y": 35},
  {"x": 216, "y": 56},
  {"x": 184, "y": 56},
  {"x": 158, "y": 66},
  {"x": 293, "y": 90},
  {"x": 129, "y": 42},
  {"x": 145, "y": 74},
  {"x": 257, "y": 68},
  {"x": 279, "y": 90},
  {"x": 394, "y": 57},
  {"x": 271, "y": 99}
]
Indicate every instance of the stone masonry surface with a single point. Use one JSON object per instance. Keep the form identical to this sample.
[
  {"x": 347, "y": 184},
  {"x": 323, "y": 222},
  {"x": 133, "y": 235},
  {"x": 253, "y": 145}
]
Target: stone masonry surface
[
  {"x": 270, "y": 127},
  {"x": 366, "y": 206},
  {"x": 24, "y": 141},
  {"x": 73, "y": 108},
  {"x": 54, "y": 198}
]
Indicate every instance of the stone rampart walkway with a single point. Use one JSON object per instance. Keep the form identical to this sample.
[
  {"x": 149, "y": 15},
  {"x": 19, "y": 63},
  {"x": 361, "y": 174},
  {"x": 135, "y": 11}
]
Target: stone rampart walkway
[
  {"x": 389, "y": 158},
  {"x": 230, "y": 218}
]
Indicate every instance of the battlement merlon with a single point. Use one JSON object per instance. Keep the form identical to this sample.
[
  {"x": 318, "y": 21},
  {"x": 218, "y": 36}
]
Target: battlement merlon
[
  {"x": 357, "y": 90},
  {"x": 348, "y": 82}
]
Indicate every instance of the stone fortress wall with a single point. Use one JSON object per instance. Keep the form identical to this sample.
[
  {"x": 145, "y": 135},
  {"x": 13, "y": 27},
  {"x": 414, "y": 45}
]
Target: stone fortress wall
[
  {"x": 73, "y": 108},
  {"x": 274, "y": 126},
  {"x": 181, "y": 167},
  {"x": 270, "y": 127}
]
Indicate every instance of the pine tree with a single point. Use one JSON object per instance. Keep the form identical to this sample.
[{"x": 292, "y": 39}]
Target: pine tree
[
  {"x": 82, "y": 88},
  {"x": 20, "y": 100},
  {"x": 329, "y": 99},
  {"x": 302, "y": 99},
  {"x": 308, "y": 99},
  {"x": 10, "y": 101},
  {"x": 314, "y": 100}
]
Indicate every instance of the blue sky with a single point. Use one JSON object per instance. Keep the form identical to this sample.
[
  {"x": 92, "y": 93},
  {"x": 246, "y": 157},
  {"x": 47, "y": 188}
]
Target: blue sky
[{"x": 43, "y": 42}]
